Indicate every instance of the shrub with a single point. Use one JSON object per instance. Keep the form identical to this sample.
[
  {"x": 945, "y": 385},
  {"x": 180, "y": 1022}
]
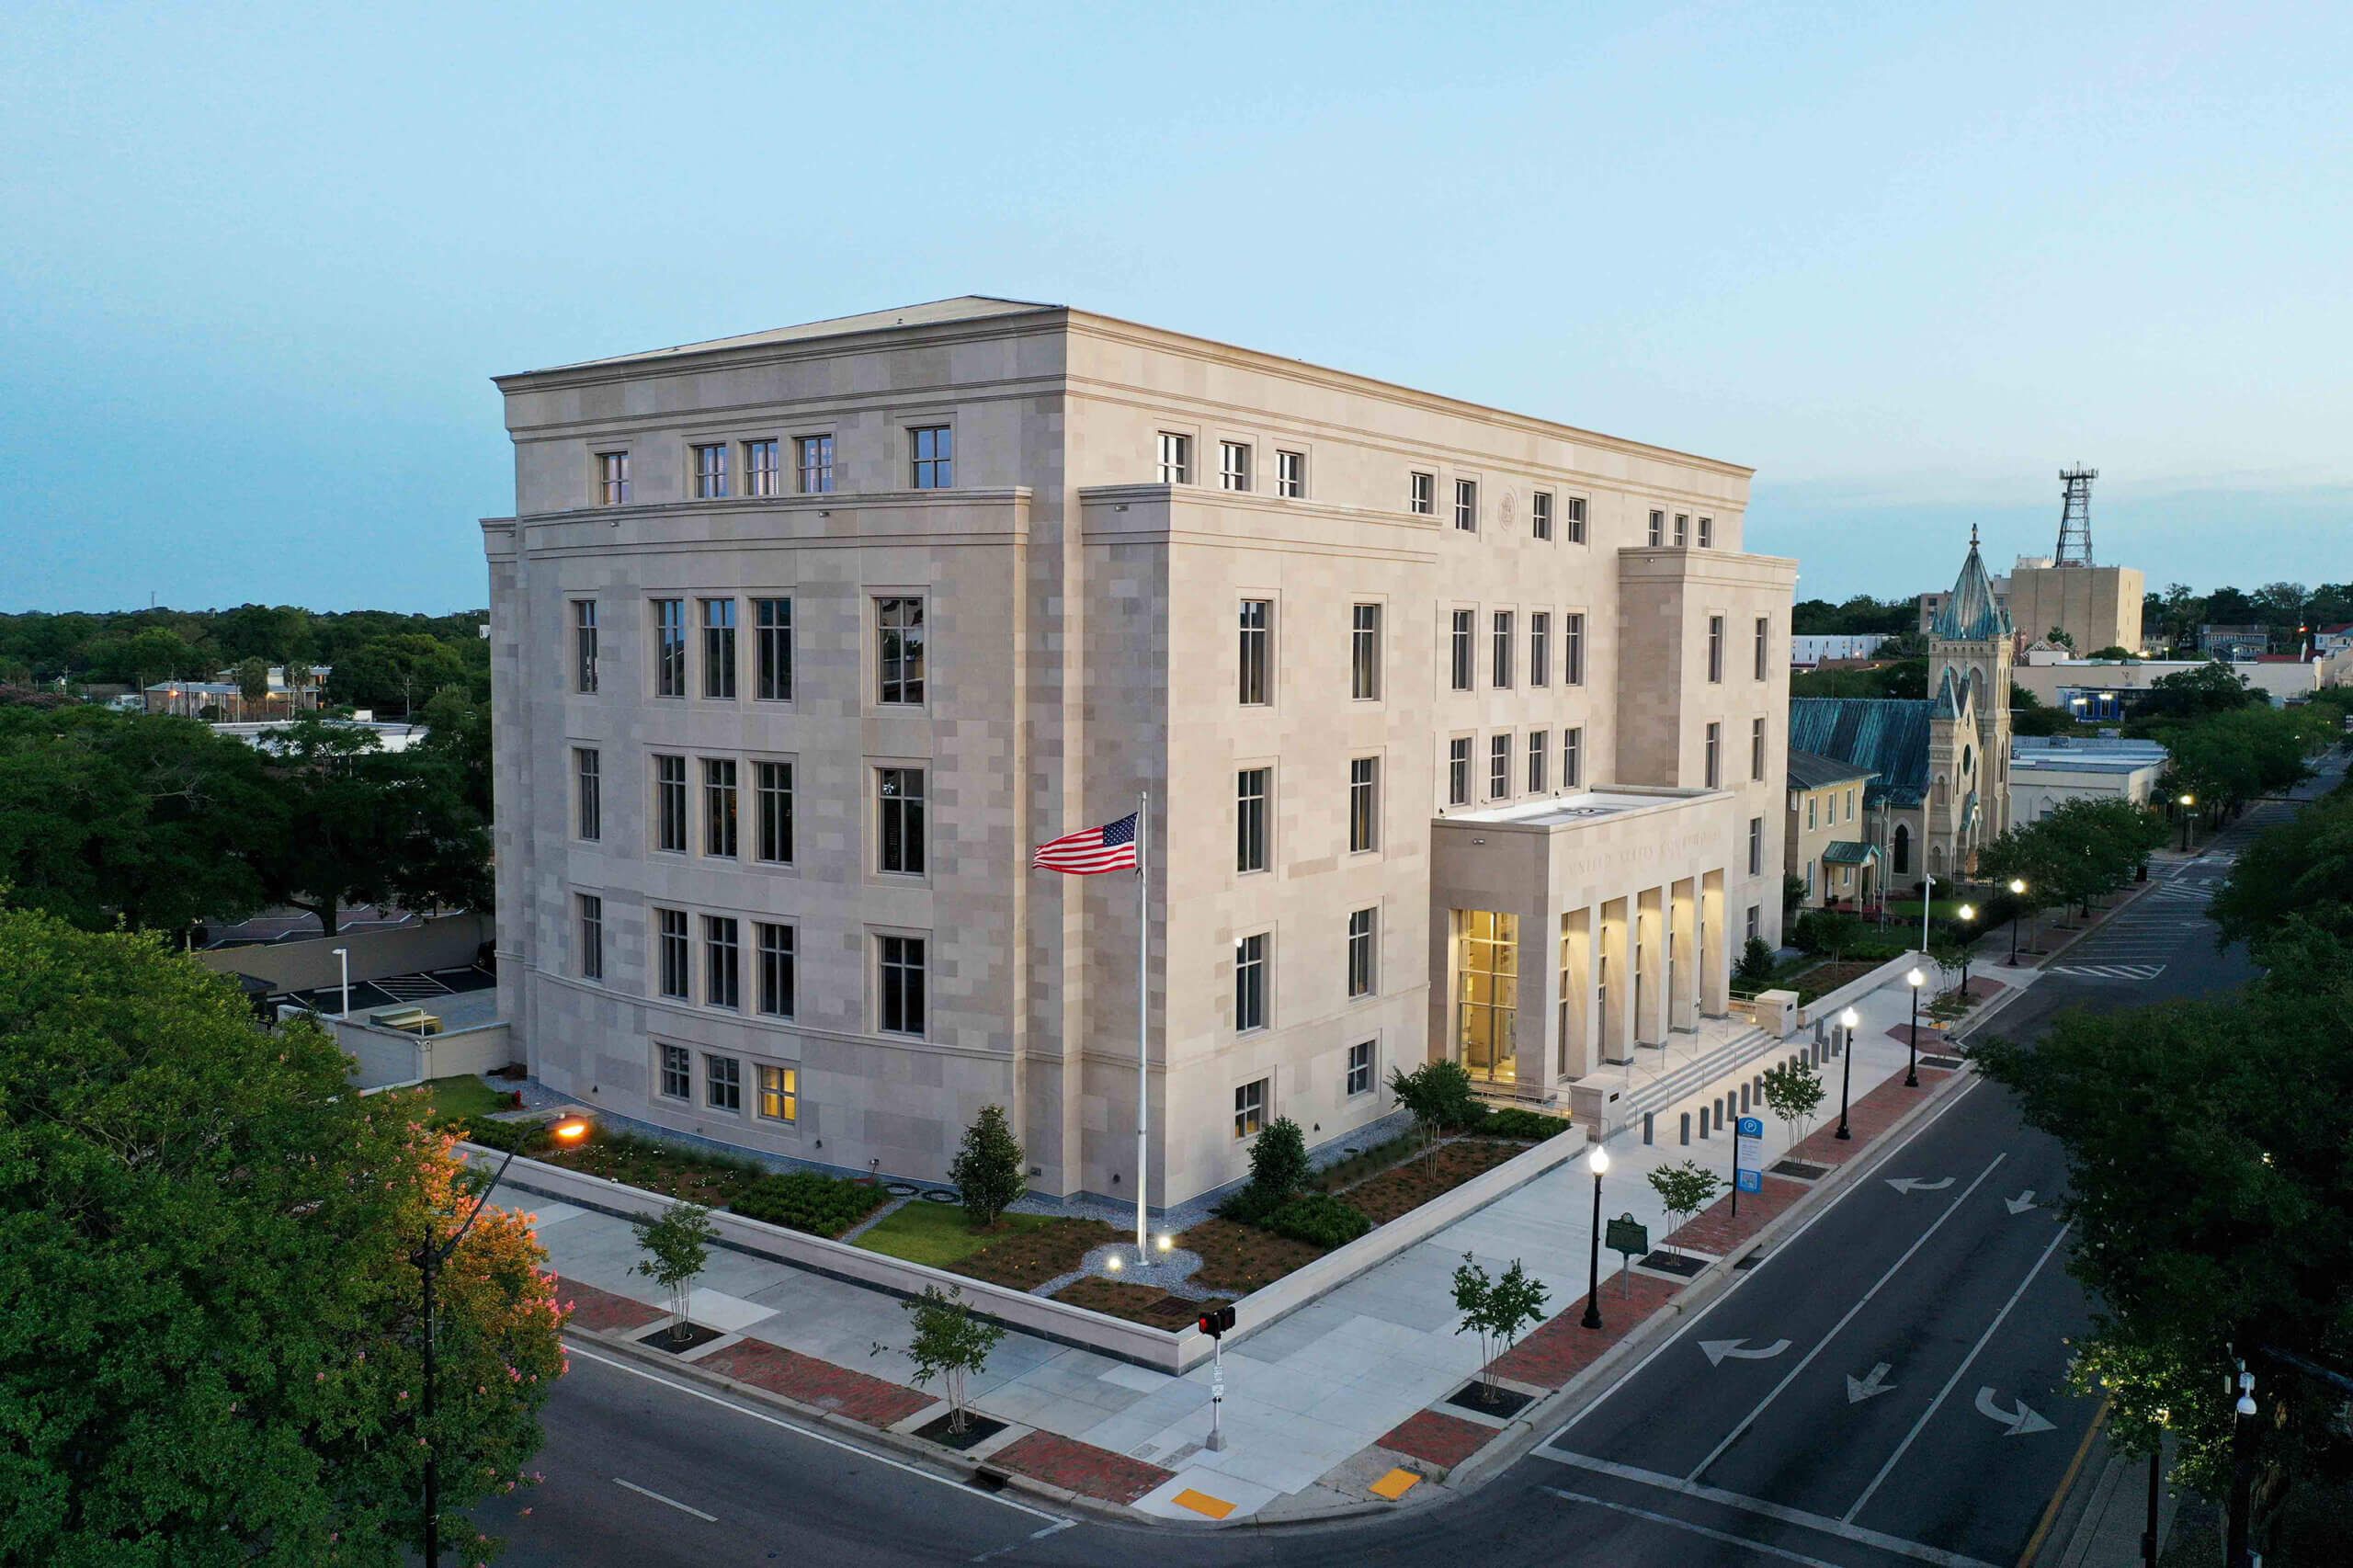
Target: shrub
[
  {"x": 1513, "y": 1123},
  {"x": 525, "y": 1138},
  {"x": 1277, "y": 1161},
  {"x": 803, "y": 1200},
  {"x": 1248, "y": 1206},
  {"x": 1755, "y": 964},
  {"x": 1319, "y": 1220},
  {"x": 1828, "y": 931},
  {"x": 988, "y": 1168}
]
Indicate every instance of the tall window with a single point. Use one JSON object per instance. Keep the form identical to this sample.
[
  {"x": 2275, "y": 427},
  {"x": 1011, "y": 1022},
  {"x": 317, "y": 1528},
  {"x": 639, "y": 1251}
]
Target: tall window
[
  {"x": 1756, "y": 845},
  {"x": 1466, "y": 504},
  {"x": 1574, "y": 513},
  {"x": 1250, "y": 1110},
  {"x": 1707, "y": 533},
  {"x": 670, "y": 945},
  {"x": 1257, "y": 626},
  {"x": 933, "y": 450},
  {"x": 1250, "y": 982},
  {"x": 899, "y": 648},
  {"x": 1234, "y": 465},
  {"x": 1572, "y": 649},
  {"x": 772, "y": 650},
  {"x": 1459, "y": 653},
  {"x": 1500, "y": 648},
  {"x": 723, "y": 983},
  {"x": 677, "y": 1071},
  {"x": 1176, "y": 458},
  {"x": 612, "y": 479},
  {"x": 1573, "y": 758},
  {"x": 1813, "y": 808},
  {"x": 1421, "y": 494},
  {"x": 1364, "y": 652},
  {"x": 780, "y": 1093},
  {"x": 1682, "y": 530},
  {"x": 1540, "y": 749},
  {"x": 1764, "y": 642},
  {"x": 776, "y": 977},
  {"x": 1458, "y": 771},
  {"x": 1361, "y": 952},
  {"x": 1250, "y": 786},
  {"x": 1756, "y": 748},
  {"x": 1716, "y": 648},
  {"x": 722, "y": 1082},
  {"x": 1713, "y": 768},
  {"x": 1539, "y": 647},
  {"x": 588, "y": 790},
  {"x": 812, "y": 456},
  {"x": 584, "y": 645},
  {"x": 1291, "y": 473},
  {"x": 760, "y": 477},
  {"x": 718, "y": 649},
  {"x": 1657, "y": 534},
  {"x": 719, "y": 829},
  {"x": 1498, "y": 766},
  {"x": 591, "y": 912},
  {"x": 670, "y": 803},
  {"x": 1360, "y": 1068},
  {"x": 669, "y": 647},
  {"x": 1540, "y": 513},
  {"x": 1486, "y": 1006},
  {"x": 1364, "y": 804},
  {"x": 1754, "y": 925},
  {"x": 899, "y": 966},
  {"x": 772, "y": 789},
  {"x": 899, "y": 818},
  {"x": 710, "y": 472}
]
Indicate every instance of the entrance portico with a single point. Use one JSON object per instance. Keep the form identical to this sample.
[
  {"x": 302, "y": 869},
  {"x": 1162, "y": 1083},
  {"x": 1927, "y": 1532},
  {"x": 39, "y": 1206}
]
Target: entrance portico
[{"x": 1577, "y": 932}]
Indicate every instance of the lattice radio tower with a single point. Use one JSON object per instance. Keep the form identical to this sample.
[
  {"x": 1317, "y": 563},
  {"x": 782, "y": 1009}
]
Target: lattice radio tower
[{"x": 2075, "y": 519}]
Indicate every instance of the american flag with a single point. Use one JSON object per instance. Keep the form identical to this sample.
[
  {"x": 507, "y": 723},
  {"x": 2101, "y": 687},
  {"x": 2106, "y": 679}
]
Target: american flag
[{"x": 1111, "y": 847}]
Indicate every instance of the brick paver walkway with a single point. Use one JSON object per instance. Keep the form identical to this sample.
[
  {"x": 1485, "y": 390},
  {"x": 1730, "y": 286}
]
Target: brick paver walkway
[
  {"x": 1080, "y": 1467},
  {"x": 602, "y": 1310},
  {"x": 1438, "y": 1437},
  {"x": 1562, "y": 1348},
  {"x": 875, "y": 1400},
  {"x": 1717, "y": 1229},
  {"x": 1867, "y": 1119}
]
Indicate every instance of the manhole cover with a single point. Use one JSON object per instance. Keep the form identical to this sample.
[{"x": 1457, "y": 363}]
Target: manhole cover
[{"x": 901, "y": 1189}]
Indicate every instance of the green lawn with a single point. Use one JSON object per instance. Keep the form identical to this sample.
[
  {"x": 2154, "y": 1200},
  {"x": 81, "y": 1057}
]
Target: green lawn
[
  {"x": 938, "y": 1234},
  {"x": 463, "y": 1097},
  {"x": 1941, "y": 909}
]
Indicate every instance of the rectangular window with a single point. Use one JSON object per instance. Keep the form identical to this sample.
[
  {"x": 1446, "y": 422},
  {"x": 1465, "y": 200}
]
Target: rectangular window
[
  {"x": 898, "y": 624},
  {"x": 1421, "y": 494},
  {"x": 670, "y": 944},
  {"x": 1540, "y": 513},
  {"x": 1707, "y": 533},
  {"x": 1573, "y": 758},
  {"x": 1756, "y": 845},
  {"x": 1364, "y": 654},
  {"x": 612, "y": 479},
  {"x": 1291, "y": 474},
  {"x": 1764, "y": 642},
  {"x": 1257, "y": 626},
  {"x": 1540, "y": 751},
  {"x": 1499, "y": 651},
  {"x": 710, "y": 472},
  {"x": 1711, "y": 769},
  {"x": 584, "y": 645},
  {"x": 781, "y": 1093},
  {"x": 932, "y": 448},
  {"x": 719, "y": 823},
  {"x": 723, "y": 983},
  {"x": 1250, "y": 983},
  {"x": 1459, "y": 658},
  {"x": 1498, "y": 766},
  {"x": 1657, "y": 534},
  {"x": 1361, "y": 952},
  {"x": 1539, "y": 647},
  {"x": 1813, "y": 806},
  {"x": 813, "y": 456},
  {"x": 772, "y": 650},
  {"x": 1458, "y": 771},
  {"x": 1572, "y": 649},
  {"x": 718, "y": 649},
  {"x": 1682, "y": 530},
  {"x": 588, "y": 791},
  {"x": 899, "y": 797},
  {"x": 1466, "y": 504},
  {"x": 1755, "y": 928},
  {"x": 760, "y": 476},
  {"x": 669, "y": 647},
  {"x": 1756, "y": 748},
  {"x": 1574, "y": 513},
  {"x": 777, "y": 968},
  {"x": 1176, "y": 458},
  {"x": 1250, "y": 786},
  {"x": 899, "y": 965},
  {"x": 1716, "y": 648},
  {"x": 1364, "y": 804},
  {"x": 723, "y": 1078},
  {"x": 1250, "y": 1110},
  {"x": 1360, "y": 1068},
  {"x": 670, "y": 803},
  {"x": 1232, "y": 465},
  {"x": 676, "y": 1068},
  {"x": 591, "y": 912},
  {"x": 772, "y": 806}
]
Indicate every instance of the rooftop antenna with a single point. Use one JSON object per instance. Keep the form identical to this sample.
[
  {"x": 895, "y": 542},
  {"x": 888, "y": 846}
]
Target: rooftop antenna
[{"x": 2075, "y": 517}]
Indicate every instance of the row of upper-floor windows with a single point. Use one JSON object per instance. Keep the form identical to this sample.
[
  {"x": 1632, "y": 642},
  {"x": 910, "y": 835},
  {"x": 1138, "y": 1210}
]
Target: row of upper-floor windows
[
  {"x": 1501, "y": 778},
  {"x": 715, "y": 641},
  {"x": 1823, "y": 805},
  {"x": 717, "y": 471},
  {"x": 728, "y": 808}
]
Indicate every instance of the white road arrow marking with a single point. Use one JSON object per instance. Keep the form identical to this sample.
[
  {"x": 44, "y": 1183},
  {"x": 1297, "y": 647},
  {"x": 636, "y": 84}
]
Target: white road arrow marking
[
  {"x": 2021, "y": 1203},
  {"x": 1861, "y": 1389},
  {"x": 1717, "y": 1350},
  {"x": 2021, "y": 1421},
  {"x": 1916, "y": 1184}
]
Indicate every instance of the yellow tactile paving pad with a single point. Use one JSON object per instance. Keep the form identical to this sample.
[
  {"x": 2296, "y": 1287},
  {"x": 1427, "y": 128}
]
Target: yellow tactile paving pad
[
  {"x": 1202, "y": 1503},
  {"x": 1395, "y": 1484}
]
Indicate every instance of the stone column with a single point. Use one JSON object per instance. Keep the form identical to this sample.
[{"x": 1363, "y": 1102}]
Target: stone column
[
  {"x": 1683, "y": 992},
  {"x": 1650, "y": 1025},
  {"x": 1540, "y": 1004},
  {"x": 1715, "y": 948},
  {"x": 1578, "y": 1025},
  {"x": 1616, "y": 1015}
]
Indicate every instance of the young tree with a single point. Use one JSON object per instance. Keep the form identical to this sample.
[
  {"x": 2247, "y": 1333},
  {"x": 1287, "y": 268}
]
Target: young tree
[
  {"x": 1278, "y": 1166},
  {"x": 1496, "y": 1310},
  {"x": 677, "y": 1244},
  {"x": 948, "y": 1344},
  {"x": 1756, "y": 968},
  {"x": 989, "y": 1169},
  {"x": 1438, "y": 1096},
  {"x": 1794, "y": 1093},
  {"x": 1684, "y": 1190},
  {"x": 211, "y": 1341}
]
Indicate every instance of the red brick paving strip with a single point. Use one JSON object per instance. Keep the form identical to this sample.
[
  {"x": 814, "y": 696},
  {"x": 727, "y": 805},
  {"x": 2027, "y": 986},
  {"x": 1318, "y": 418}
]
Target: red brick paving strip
[
  {"x": 1080, "y": 1467},
  {"x": 1564, "y": 1347},
  {"x": 1867, "y": 1118},
  {"x": 602, "y": 1310},
  {"x": 1717, "y": 1231},
  {"x": 1441, "y": 1439},
  {"x": 875, "y": 1400}
]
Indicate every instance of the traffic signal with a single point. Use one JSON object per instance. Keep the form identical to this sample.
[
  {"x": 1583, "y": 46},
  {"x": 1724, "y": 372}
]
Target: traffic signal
[{"x": 1216, "y": 1320}]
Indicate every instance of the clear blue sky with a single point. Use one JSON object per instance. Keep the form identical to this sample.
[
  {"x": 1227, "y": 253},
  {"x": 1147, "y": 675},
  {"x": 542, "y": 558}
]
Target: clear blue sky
[{"x": 257, "y": 262}]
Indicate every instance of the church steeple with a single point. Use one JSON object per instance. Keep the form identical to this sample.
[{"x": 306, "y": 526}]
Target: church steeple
[{"x": 1971, "y": 613}]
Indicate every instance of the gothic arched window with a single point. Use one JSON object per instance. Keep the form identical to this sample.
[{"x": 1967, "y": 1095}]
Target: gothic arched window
[
  {"x": 1903, "y": 849},
  {"x": 1968, "y": 759}
]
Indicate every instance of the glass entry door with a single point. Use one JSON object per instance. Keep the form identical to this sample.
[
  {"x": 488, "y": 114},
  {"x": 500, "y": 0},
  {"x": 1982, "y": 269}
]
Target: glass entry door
[{"x": 1486, "y": 993}]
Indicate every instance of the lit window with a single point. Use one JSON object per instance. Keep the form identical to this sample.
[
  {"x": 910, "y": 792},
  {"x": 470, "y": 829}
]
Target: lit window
[
  {"x": 933, "y": 448},
  {"x": 1250, "y": 1110},
  {"x": 1176, "y": 458},
  {"x": 781, "y": 1093},
  {"x": 1232, "y": 465},
  {"x": 710, "y": 472},
  {"x": 1250, "y": 982}
]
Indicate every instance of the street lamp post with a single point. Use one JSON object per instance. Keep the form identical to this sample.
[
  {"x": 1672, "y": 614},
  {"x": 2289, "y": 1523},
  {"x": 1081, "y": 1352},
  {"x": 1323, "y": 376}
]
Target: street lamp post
[
  {"x": 343, "y": 959},
  {"x": 1597, "y": 1163},
  {"x": 2018, "y": 908},
  {"x": 2157, "y": 1486},
  {"x": 2234, "y": 1537},
  {"x": 1967, "y": 916},
  {"x": 1846, "y": 1021},
  {"x": 2186, "y": 802},
  {"x": 1912, "y": 1075}
]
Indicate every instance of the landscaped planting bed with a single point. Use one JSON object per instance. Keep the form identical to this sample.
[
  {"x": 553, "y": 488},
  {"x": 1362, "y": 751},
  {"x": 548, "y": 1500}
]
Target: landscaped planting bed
[
  {"x": 1240, "y": 1258},
  {"x": 1137, "y": 1303},
  {"x": 1023, "y": 1251},
  {"x": 1403, "y": 1188}
]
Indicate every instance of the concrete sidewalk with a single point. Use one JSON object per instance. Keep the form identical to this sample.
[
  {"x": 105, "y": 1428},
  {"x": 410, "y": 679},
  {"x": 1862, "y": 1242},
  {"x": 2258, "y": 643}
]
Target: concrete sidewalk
[{"x": 1320, "y": 1405}]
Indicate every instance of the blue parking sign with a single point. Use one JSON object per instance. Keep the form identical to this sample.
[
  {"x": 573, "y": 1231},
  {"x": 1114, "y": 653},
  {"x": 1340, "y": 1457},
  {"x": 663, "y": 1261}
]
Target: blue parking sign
[
  {"x": 1750, "y": 1127},
  {"x": 1752, "y": 1181}
]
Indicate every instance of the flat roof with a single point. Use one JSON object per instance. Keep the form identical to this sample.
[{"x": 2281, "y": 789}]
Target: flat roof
[
  {"x": 963, "y": 307},
  {"x": 1586, "y": 805},
  {"x": 2083, "y": 761}
]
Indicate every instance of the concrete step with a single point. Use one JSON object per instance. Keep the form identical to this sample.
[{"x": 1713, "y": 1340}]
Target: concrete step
[{"x": 1691, "y": 1076}]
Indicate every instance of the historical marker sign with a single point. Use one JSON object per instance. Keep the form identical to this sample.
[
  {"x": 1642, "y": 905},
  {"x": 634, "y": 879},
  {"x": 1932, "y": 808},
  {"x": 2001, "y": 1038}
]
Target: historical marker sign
[{"x": 1627, "y": 1234}]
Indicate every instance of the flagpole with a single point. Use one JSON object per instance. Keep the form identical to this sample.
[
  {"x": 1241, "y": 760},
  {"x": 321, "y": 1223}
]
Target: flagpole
[{"x": 1143, "y": 950}]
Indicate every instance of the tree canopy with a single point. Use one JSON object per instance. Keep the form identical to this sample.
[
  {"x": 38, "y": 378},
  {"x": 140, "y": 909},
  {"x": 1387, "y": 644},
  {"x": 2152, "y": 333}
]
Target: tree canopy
[
  {"x": 2082, "y": 849},
  {"x": 2301, "y": 869}
]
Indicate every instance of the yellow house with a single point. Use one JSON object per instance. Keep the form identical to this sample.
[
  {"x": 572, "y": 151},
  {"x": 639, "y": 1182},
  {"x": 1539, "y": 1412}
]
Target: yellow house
[{"x": 1830, "y": 848}]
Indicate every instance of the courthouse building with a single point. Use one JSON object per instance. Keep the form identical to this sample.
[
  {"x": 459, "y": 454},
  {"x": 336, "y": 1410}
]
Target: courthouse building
[{"x": 1464, "y": 736}]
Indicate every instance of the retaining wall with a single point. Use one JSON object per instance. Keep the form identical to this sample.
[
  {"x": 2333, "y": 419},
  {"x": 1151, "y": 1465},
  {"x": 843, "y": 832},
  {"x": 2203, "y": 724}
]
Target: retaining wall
[{"x": 385, "y": 1056}]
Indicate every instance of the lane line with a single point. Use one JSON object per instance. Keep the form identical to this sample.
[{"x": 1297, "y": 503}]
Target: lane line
[
  {"x": 830, "y": 1441},
  {"x": 1860, "y": 1302},
  {"x": 1674, "y": 1523},
  {"x": 1982, "y": 1340},
  {"x": 1780, "y": 1513},
  {"x": 672, "y": 1502}
]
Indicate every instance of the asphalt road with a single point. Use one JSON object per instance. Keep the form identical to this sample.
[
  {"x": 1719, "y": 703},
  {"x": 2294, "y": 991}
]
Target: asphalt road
[{"x": 1764, "y": 1432}]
